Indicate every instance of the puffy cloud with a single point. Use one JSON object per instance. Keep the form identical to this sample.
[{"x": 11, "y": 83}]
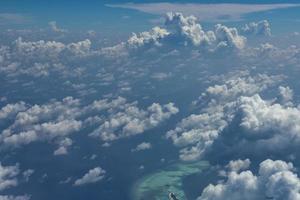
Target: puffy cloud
[
  {"x": 57, "y": 120},
  {"x": 259, "y": 28},
  {"x": 92, "y": 176},
  {"x": 275, "y": 179},
  {"x": 50, "y": 49},
  {"x": 54, "y": 28},
  {"x": 11, "y": 109},
  {"x": 63, "y": 147},
  {"x": 187, "y": 29},
  {"x": 42, "y": 58},
  {"x": 126, "y": 119},
  {"x": 42, "y": 123},
  {"x": 285, "y": 95},
  {"x": 151, "y": 38},
  {"x": 142, "y": 146},
  {"x": 26, "y": 174},
  {"x": 229, "y": 37},
  {"x": 272, "y": 125},
  {"x": 197, "y": 133},
  {"x": 8, "y": 176},
  {"x": 181, "y": 31},
  {"x": 238, "y": 165}
]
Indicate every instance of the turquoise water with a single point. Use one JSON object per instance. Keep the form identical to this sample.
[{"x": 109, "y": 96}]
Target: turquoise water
[{"x": 156, "y": 186}]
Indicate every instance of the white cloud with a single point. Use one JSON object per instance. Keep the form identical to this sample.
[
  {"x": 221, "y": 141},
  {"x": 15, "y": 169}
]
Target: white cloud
[
  {"x": 56, "y": 121},
  {"x": 63, "y": 147},
  {"x": 43, "y": 123},
  {"x": 179, "y": 31},
  {"x": 205, "y": 12},
  {"x": 196, "y": 134},
  {"x": 275, "y": 179},
  {"x": 54, "y": 28},
  {"x": 273, "y": 126},
  {"x": 8, "y": 176},
  {"x": 285, "y": 95},
  {"x": 92, "y": 176},
  {"x": 142, "y": 146},
  {"x": 11, "y": 109},
  {"x": 26, "y": 174},
  {"x": 238, "y": 165},
  {"x": 9, "y": 179},
  {"x": 14, "y": 18},
  {"x": 259, "y": 28},
  {"x": 126, "y": 119},
  {"x": 187, "y": 29},
  {"x": 229, "y": 37}
]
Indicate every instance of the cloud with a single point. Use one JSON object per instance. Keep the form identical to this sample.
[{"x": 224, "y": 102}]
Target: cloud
[
  {"x": 285, "y": 95},
  {"x": 205, "y": 12},
  {"x": 14, "y": 18},
  {"x": 142, "y": 146},
  {"x": 196, "y": 133},
  {"x": 46, "y": 122},
  {"x": 259, "y": 28},
  {"x": 8, "y": 176},
  {"x": 92, "y": 176},
  {"x": 238, "y": 165},
  {"x": 27, "y": 174},
  {"x": 179, "y": 31},
  {"x": 126, "y": 119},
  {"x": 11, "y": 109},
  {"x": 9, "y": 179},
  {"x": 56, "y": 121},
  {"x": 275, "y": 179},
  {"x": 270, "y": 124},
  {"x": 63, "y": 147},
  {"x": 42, "y": 58},
  {"x": 10, "y": 197},
  {"x": 54, "y": 28},
  {"x": 229, "y": 37}
]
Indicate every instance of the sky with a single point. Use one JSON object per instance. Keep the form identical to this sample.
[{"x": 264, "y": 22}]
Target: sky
[{"x": 132, "y": 100}]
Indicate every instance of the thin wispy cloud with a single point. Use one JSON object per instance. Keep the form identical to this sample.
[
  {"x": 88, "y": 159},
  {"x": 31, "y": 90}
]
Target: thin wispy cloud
[
  {"x": 14, "y": 18},
  {"x": 205, "y": 12}
]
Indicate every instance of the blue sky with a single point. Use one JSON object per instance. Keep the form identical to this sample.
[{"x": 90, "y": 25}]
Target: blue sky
[{"x": 97, "y": 15}]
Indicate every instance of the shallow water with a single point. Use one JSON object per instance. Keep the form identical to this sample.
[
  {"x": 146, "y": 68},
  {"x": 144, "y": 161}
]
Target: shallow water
[{"x": 157, "y": 185}]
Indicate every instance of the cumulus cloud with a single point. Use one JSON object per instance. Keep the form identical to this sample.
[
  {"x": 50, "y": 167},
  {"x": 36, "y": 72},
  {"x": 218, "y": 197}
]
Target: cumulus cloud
[
  {"x": 53, "y": 26},
  {"x": 275, "y": 179},
  {"x": 229, "y": 37},
  {"x": 270, "y": 124},
  {"x": 63, "y": 147},
  {"x": 285, "y": 95},
  {"x": 238, "y": 165},
  {"x": 11, "y": 109},
  {"x": 259, "y": 28},
  {"x": 9, "y": 179},
  {"x": 8, "y": 176},
  {"x": 42, "y": 123},
  {"x": 41, "y": 58},
  {"x": 196, "y": 134},
  {"x": 126, "y": 119},
  {"x": 142, "y": 146},
  {"x": 92, "y": 176},
  {"x": 184, "y": 31},
  {"x": 56, "y": 121},
  {"x": 27, "y": 174}
]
